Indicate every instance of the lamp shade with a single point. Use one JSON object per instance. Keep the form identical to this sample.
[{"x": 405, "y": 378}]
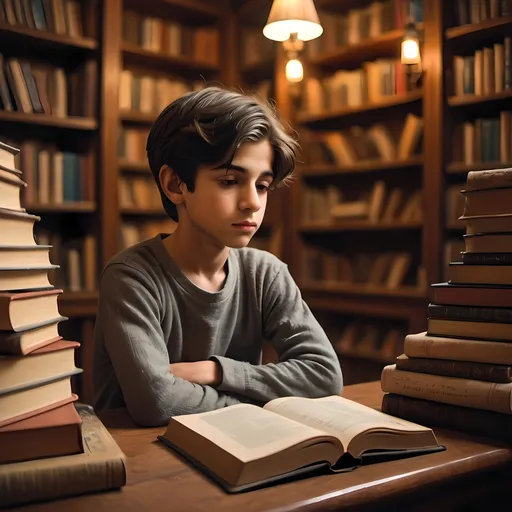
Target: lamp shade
[{"x": 293, "y": 16}]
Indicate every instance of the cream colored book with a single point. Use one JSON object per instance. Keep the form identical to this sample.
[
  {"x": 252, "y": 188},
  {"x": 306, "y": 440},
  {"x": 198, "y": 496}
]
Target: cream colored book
[{"x": 245, "y": 446}]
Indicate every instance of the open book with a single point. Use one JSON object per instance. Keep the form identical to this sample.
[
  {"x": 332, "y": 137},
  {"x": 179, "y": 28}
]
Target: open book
[{"x": 244, "y": 446}]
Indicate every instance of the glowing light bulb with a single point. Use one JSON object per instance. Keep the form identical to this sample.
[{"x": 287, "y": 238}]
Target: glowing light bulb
[
  {"x": 410, "y": 51},
  {"x": 294, "y": 70}
]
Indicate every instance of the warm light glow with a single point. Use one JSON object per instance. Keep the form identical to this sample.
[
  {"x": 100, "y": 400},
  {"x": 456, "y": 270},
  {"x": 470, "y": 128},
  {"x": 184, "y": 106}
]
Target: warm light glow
[
  {"x": 281, "y": 30},
  {"x": 410, "y": 51},
  {"x": 294, "y": 71}
]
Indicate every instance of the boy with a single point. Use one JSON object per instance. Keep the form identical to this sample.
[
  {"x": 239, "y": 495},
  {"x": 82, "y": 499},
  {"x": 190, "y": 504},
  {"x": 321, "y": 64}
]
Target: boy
[{"x": 182, "y": 317}]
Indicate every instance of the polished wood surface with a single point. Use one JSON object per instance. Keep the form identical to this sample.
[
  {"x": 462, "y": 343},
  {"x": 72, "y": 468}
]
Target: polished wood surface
[{"x": 468, "y": 471}]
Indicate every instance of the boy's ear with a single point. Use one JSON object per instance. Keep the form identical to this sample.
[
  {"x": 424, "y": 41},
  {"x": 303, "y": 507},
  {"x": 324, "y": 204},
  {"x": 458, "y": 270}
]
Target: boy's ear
[{"x": 171, "y": 184}]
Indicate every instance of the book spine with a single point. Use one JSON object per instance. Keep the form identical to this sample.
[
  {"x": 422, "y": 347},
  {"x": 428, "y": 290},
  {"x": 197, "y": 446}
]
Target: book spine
[
  {"x": 482, "y": 258},
  {"x": 436, "y": 414},
  {"x": 459, "y": 369},
  {"x": 492, "y": 352},
  {"x": 472, "y": 314},
  {"x": 449, "y": 390}
]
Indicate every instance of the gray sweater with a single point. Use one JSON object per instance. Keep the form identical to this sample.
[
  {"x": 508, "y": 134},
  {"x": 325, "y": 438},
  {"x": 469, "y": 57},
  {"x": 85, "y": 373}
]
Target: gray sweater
[{"x": 150, "y": 315}]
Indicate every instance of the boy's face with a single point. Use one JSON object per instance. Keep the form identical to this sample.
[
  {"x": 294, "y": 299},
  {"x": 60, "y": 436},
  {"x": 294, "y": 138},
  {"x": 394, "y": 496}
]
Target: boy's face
[{"x": 228, "y": 205}]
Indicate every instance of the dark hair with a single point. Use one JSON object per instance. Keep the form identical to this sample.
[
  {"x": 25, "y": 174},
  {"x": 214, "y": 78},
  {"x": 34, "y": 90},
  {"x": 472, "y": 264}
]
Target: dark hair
[{"x": 206, "y": 128}]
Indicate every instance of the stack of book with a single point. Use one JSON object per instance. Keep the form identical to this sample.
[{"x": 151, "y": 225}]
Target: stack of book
[
  {"x": 42, "y": 432},
  {"x": 458, "y": 374}
]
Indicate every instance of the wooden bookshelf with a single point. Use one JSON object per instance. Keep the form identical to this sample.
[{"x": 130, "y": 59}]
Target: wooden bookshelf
[
  {"x": 49, "y": 121},
  {"x": 135, "y": 117},
  {"x": 476, "y": 99},
  {"x": 467, "y": 34},
  {"x": 370, "y": 166},
  {"x": 68, "y": 207},
  {"x": 136, "y": 56},
  {"x": 340, "y": 226},
  {"x": 349, "y": 115},
  {"x": 78, "y": 304},
  {"x": 41, "y": 39},
  {"x": 132, "y": 167},
  {"x": 351, "y": 56},
  {"x": 257, "y": 71},
  {"x": 462, "y": 168}
]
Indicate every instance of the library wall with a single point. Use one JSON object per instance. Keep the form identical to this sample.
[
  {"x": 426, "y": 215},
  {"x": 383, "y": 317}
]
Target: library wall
[{"x": 371, "y": 216}]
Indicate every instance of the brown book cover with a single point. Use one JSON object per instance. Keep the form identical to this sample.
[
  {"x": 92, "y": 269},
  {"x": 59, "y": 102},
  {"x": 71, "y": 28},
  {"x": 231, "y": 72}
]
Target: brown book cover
[
  {"x": 100, "y": 467},
  {"x": 470, "y": 313},
  {"x": 52, "y": 433},
  {"x": 450, "y": 368},
  {"x": 472, "y": 295},
  {"x": 455, "y": 417},
  {"x": 20, "y": 311}
]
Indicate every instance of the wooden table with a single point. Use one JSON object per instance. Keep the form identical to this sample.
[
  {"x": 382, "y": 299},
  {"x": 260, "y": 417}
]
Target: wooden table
[{"x": 470, "y": 472}]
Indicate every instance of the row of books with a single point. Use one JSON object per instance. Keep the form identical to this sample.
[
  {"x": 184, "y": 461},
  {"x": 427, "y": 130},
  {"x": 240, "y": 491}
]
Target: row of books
[
  {"x": 327, "y": 205},
  {"x": 170, "y": 37},
  {"x": 370, "y": 84},
  {"x": 475, "y": 11},
  {"x": 58, "y": 16},
  {"x": 368, "y": 339},
  {"x": 131, "y": 145},
  {"x": 458, "y": 374},
  {"x": 151, "y": 94},
  {"x": 388, "y": 270},
  {"x": 132, "y": 233},
  {"x": 43, "y": 89},
  {"x": 485, "y": 140},
  {"x": 358, "y": 24},
  {"x": 139, "y": 192},
  {"x": 486, "y": 72},
  {"x": 76, "y": 257},
  {"x": 357, "y": 144},
  {"x": 42, "y": 450}
]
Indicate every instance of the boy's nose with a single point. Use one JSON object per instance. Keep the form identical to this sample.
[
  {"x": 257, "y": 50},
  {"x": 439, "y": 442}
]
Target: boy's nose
[{"x": 250, "y": 200}]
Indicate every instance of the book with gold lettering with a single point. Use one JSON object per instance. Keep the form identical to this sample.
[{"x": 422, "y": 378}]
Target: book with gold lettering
[{"x": 243, "y": 447}]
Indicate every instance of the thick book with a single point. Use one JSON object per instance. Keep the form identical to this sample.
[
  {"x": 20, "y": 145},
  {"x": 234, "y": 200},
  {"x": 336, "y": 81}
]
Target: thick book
[
  {"x": 17, "y": 228},
  {"x": 24, "y": 279},
  {"x": 488, "y": 242},
  {"x": 53, "y": 433},
  {"x": 100, "y": 467},
  {"x": 450, "y": 368},
  {"x": 28, "y": 256},
  {"x": 50, "y": 361},
  {"x": 21, "y": 311},
  {"x": 486, "y": 258},
  {"x": 489, "y": 179},
  {"x": 488, "y": 224},
  {"x": 461, "y": 273},
  {"x": 470, "y": 313},
  {"x": 244, "y": 447},
  {"x": 8, "y": 155},
  {"x": 453, "y": 417},
  {"x": 29, "y": 401},
  {"x": 459, "y": 349},
  {"x": 489, "y": 396},
  {"x": 472, "y": 295},
  {"x": 30, "y": 338},
  {"x": 469, "y": 329},
  {"x": 10, "y": 191},
  {"x": 487, "y": 202}
]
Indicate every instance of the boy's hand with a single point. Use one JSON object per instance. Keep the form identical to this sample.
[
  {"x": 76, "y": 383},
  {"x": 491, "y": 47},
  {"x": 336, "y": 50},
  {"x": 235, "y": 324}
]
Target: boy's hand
[{"x": 205, "y": 373}]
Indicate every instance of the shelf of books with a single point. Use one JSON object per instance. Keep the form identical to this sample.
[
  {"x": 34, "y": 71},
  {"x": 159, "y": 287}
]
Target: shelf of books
[
  {"x": 167, "y": 51},
  {"x": 358, "y": 196},
  {"x": 479, "y": 106},
  {"x": 49, "y": 110}
]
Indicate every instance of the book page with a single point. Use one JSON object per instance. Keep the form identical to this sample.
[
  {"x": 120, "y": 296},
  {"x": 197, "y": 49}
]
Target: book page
[
  {"x": 338, "y": 416},
  {"x": 249, "y": 432}
]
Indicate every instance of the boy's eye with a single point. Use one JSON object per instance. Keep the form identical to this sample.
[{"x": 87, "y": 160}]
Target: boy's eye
[
  {"x": 228, "y": 182},
  {"x": 262, "y": 186}
]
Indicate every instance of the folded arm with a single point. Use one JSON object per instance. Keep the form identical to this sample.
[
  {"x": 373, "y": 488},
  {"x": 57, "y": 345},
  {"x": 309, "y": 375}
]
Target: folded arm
[
  {"x": 308, "y": 365},
  {"x": 135, "y": 343}
]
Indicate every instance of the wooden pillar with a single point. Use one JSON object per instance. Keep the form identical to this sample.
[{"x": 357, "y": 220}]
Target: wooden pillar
[
  {"x": 433, "y": 140},
  {"x": 229, "y": 50},
  {"x": 111, "y": 36}
]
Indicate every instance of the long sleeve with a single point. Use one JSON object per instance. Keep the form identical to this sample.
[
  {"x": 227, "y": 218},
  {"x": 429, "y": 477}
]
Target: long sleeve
[
  {"x": 129, "y": 326},
  {"x": 308, "y": 365}
]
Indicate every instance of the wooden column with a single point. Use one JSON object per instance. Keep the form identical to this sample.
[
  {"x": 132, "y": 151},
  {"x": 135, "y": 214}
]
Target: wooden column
[
  {"x": 433, "y": 140},
  {"x": 111, "y": 35},
  {"x": 229, "y": 50}
]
